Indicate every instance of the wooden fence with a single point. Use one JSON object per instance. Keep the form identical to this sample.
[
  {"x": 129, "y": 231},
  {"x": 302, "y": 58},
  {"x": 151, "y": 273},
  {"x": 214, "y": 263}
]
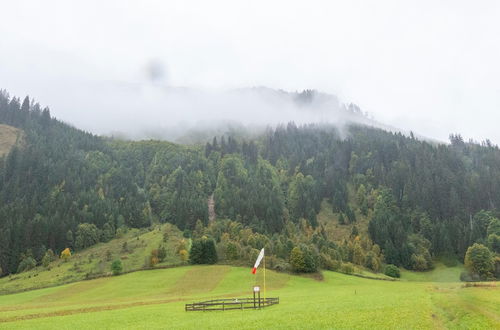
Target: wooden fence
[{"x": 230, "y": 304}]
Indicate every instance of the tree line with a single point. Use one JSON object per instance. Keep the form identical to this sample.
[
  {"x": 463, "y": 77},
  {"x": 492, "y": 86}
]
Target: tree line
[{"x": 68, "y": 188}]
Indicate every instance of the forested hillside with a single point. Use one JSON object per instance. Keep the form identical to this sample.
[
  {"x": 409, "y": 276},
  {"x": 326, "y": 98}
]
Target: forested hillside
[{"x": 67, "y": 188}]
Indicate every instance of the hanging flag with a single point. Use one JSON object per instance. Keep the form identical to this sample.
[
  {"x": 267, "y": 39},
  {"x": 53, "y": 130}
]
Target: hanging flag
[{"x": 257, "y": 262}]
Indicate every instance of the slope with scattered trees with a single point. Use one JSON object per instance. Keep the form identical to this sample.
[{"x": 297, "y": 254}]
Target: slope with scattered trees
[{"x": 65, "y": 188}]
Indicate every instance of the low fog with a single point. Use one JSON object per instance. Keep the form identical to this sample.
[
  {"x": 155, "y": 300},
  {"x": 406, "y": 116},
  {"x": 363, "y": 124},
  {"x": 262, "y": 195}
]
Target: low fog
[
  {"x": 154, "y": 110},
  {"x": 145, "y": 105},
  {"x": 180, "y": 114},
  {"x": 154, "y": 68}
]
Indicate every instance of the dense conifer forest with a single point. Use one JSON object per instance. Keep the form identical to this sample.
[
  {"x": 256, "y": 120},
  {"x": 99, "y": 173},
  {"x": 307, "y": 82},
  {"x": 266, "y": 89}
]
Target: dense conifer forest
[{"x": 62, "y": 187}]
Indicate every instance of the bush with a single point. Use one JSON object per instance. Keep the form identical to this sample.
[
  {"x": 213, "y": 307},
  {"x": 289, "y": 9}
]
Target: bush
[
  {"x": 203, "y": 251},
  {"x": 336, "y": 265},
  {"x": 297, "y": 260},
  {"x": 108, "y": 232},
  {"x": 479, "y": 260},
  {"x": 325, "y": 261},
  {"x": 26, "y": 264},
  {"x": 154, "y": 260},
  {"x": 87, "y": 235},
  {"x": 372, "y": 261},
  {"x": 494, "y": 242},
  {"x": 497, "y": 267},
  {"x": 116, "y": 267},
  {"x": 303, "y": 259},
  {"x": 181, "y": 245},
  {"x": 469, "y": 277},
  {"x": 282, "y": 266},
  {"x": 120, "y": 232},
  {"x": 48, "y": 258},
  {"x": 184, "y": 255},
  {"x": 162, "y": 253},
  {"x": 66, "y": 254},
  {"x": 232, "y": 251},
  {"x": 310, "y": 259},
  {"x": 418, "y": 262},
  {"x": 347, "y": 268},
  {"x": 392, "y": 271}
]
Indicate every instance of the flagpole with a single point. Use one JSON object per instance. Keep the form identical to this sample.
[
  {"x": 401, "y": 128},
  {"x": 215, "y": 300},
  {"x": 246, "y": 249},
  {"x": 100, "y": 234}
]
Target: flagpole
[{"x": 264, "y": 278}]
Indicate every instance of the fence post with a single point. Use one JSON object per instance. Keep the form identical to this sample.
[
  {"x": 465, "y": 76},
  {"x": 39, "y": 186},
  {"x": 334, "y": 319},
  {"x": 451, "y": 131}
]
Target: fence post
[{"x": 223, "y": 306}]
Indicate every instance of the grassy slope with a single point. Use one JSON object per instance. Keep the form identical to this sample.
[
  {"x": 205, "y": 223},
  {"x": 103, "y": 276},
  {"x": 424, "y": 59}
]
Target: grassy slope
[
  {"x": 440, "y": 273},
  {"x": 94, "y": 260},
  {"x": 334, "y": 229},
  {"x": 9, "y": 136},
  {"x": 338, "y": 232},
  {"x": 155, "y": 299}
]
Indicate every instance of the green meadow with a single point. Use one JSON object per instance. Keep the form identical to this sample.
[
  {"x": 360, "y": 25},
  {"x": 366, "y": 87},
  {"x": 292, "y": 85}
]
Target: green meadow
[{"x": 155, "y": 299}]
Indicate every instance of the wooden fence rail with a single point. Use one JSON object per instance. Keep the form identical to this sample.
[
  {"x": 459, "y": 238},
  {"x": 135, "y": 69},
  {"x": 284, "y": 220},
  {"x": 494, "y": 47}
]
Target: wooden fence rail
[{"x": 230, "y": 304}]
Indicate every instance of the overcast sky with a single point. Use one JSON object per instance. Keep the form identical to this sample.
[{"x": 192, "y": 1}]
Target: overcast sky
[{"x": 428, "y": 66}]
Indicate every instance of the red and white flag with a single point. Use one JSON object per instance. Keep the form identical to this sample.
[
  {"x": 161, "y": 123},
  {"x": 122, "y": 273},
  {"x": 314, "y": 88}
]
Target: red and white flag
[{"x": 257, "y": 262}]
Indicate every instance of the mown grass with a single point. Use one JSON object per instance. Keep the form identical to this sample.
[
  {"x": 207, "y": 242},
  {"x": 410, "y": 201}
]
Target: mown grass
[
  {"x": 156, "y": 298},
  {"x": 440, "y": 273}
]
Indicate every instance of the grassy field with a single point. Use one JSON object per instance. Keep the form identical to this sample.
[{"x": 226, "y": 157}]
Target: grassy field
[
  {"x": 59, "y": 297},
  {"x": 156, "y": 298},
  {"x": 440, "y": 273}
]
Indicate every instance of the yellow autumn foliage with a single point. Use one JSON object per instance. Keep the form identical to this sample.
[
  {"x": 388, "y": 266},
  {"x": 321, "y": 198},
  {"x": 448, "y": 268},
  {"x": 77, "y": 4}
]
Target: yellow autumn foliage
[{"x": 66, "y": 254}]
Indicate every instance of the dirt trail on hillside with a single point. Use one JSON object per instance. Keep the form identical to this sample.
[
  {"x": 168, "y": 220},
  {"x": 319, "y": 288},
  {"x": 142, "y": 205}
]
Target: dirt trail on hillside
[{"x": 211, "y": 209}]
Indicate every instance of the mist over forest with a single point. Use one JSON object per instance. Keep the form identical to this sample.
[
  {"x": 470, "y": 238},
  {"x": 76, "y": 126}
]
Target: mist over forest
[{"x": 154, "y": 110}]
